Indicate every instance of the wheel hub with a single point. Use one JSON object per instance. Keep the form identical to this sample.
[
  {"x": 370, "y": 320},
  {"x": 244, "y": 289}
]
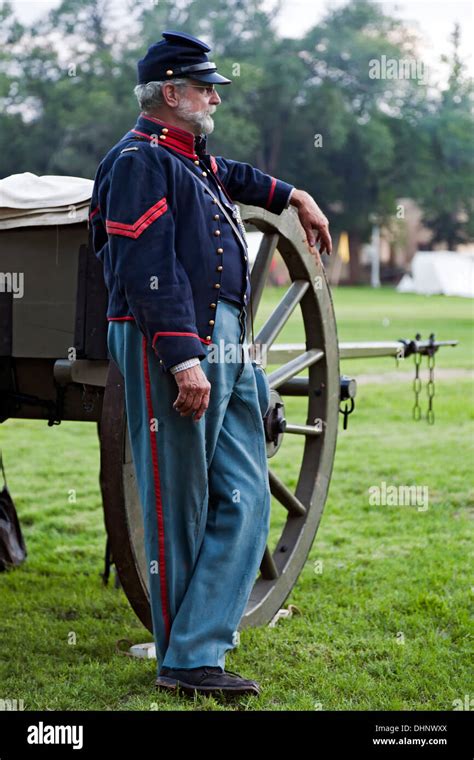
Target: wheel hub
[{"x": 274, "y": 423}]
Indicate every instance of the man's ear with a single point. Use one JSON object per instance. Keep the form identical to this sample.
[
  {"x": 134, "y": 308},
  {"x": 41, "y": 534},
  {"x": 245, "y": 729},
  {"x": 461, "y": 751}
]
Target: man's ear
[{"x": 170, "y": 94}]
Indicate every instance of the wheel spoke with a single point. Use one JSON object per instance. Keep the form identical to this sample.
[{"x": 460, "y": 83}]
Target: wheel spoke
[
  {"x": 279, "y": 317},
  {"x": 260, "y": 271},
  {"x": 267, "y": 566},
  {"x": 293, "y": 367},
  {"x": 285, "y": 497}
]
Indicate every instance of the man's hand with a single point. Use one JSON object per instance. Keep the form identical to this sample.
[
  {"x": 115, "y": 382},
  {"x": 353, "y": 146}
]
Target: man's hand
[
  {"x": 312, "y": 218},
  {"x": 194, "y": 390}
]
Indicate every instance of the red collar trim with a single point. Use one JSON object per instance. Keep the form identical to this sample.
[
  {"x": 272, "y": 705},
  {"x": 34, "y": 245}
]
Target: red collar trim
[{"x": 178, "y": 139}]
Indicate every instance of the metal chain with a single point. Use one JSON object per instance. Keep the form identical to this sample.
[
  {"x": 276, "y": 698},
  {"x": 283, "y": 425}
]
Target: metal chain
[
  {"x": 431, "y": 389},
  {"x": 417, "y": 385}
]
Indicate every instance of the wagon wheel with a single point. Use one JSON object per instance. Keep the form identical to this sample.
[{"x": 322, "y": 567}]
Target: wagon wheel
[{"x": 297, "y": 509}]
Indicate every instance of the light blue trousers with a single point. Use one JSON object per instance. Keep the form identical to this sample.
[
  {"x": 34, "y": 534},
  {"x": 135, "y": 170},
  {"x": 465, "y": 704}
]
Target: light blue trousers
[{"x": 203, "y": 488}]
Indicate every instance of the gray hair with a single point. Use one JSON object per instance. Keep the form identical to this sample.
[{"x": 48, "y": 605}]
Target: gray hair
[{"x": 150, "y": 95}]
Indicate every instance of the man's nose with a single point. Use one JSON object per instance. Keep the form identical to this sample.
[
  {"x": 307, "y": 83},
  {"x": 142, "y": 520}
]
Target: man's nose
[{"x": 215, "y": 99}]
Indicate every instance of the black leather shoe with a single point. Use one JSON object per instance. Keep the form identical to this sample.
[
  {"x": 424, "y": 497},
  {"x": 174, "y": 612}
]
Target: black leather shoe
[{"x": 205, "y": 680}]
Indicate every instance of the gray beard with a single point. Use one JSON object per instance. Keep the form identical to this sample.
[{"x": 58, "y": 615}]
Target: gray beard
[{"x": 200, "y": 119}]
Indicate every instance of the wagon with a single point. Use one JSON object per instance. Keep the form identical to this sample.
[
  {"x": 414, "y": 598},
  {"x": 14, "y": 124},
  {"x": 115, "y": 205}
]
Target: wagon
[{"x": 55, "y": 366}]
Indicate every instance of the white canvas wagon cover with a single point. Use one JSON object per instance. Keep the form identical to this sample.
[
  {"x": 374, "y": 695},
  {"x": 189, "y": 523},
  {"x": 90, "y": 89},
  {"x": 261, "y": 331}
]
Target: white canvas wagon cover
[{"x": 28, "y": 199}]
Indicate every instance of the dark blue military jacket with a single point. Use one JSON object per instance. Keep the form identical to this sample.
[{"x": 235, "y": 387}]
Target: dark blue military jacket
[{"x": 162, "y": 238}]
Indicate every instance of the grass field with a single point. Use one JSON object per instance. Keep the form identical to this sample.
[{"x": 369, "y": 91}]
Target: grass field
[{"x": 384, "y": 600}]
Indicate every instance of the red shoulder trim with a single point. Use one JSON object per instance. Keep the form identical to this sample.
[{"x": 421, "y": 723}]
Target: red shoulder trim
[
  {"x": 214, "y": 166},
  {"x": 136, "y": 229}
]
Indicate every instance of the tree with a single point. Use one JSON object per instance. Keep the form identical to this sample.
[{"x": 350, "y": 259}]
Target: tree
[
  {"x": 447, "y": 192},
  {"x": 353, "y": 168},
  {"x": 307, "y": 110},
  {"x": 11, "y": 34}
]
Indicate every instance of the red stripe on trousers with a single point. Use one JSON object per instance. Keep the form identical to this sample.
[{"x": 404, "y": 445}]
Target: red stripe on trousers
[{"x": 158, "y": 503}]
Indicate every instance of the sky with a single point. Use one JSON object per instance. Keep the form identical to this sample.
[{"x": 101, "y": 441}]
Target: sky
[{"x": 433, "y": 19}]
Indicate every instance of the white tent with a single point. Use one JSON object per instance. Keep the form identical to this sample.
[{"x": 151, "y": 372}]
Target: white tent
[{"x": 442, "y": 272}]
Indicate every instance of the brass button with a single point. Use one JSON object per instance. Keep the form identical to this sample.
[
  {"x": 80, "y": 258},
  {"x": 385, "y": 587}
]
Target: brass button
[
  {"x": 212, "y": 305},
  {"x": 162, "y": 137},
  {"x": 169, "y": 72},
  {"x": 216, "y": 217},
  {"x": 219, "y": 268},
  {"x": 216, "y": 285},
  {"x": 197, "y": 162},
  {"x": 211, "y": 322},
  {"x": 214, "y": 200},
  {"x": 220, "y": 250},
  {"x": 165, "y": 130},
  {"x": 217, "y": 232},
  {"x": 208, "y": 337},
  {"x": 246, "y": 258},
  {"x": 204, "y": 174},
  {"x": 245, "y": 298},
  {"x": 161, "y": 361}
]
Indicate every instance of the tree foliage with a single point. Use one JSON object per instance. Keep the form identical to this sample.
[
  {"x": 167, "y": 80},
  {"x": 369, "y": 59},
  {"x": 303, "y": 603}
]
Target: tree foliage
[{"x": 307, "y": 110}]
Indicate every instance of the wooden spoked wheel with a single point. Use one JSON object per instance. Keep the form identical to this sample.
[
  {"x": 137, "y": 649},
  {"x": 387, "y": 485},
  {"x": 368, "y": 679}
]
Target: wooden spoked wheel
[{"x": 297, "y": 505}]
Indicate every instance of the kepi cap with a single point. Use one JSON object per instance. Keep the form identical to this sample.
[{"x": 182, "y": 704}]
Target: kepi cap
[{"x": 178, "y": 55}]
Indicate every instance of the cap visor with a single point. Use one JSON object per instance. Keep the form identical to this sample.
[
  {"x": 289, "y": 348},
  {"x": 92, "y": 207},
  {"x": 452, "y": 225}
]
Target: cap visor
[{"x": 212, "y": 78}]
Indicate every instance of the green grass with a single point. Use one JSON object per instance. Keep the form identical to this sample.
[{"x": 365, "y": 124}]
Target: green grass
[{"x": 386, "y": 623}]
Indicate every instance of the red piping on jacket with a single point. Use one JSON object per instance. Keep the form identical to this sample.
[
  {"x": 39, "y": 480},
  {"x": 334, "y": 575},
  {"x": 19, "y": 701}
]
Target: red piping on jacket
[
  {"x": 173, "y": 140},
  {"x": 182, "y": 142},
  {"x": 158, "y": 502},
  {"x": 143, "y": 134},
  {"x": 189, "y": 334},
  {"x": 270, "y": 194},
  {"x": 93, "y": 213},
  {"x": 177, "y": 138},
  {"x": 184, "y": 134},
  {"x": 132, "y": 319},
  {"x": 135, "y": 230}
]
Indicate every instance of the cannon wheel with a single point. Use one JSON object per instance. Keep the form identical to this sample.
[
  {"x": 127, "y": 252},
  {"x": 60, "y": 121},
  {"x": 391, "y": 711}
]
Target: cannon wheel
[{"x": 299, "y": 508}]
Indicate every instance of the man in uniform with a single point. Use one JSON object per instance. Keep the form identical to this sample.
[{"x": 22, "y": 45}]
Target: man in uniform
[{"x": 165, "y": 225}]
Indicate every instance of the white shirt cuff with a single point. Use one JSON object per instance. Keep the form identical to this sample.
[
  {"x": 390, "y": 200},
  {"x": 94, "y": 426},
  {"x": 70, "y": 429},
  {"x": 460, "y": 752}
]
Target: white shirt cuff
[{"x": 184, "y": 365}]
